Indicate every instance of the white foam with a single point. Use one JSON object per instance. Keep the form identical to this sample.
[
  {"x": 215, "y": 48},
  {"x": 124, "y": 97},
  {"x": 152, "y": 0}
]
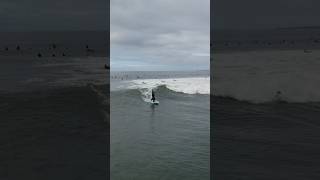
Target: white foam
[
  {"x": 194, "y": 85},
  {"x": 259, "y": 76}
]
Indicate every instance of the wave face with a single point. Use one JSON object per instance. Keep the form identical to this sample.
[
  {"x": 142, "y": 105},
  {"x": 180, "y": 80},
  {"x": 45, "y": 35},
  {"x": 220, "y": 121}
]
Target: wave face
[
  {"x": 266, "y": 76},
  {"x": 191, "y": 86}
]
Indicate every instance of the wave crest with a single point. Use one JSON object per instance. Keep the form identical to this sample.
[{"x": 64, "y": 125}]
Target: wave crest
[
  {"x": 267, "y": 76},
  {"x": 194, "y": 85}
]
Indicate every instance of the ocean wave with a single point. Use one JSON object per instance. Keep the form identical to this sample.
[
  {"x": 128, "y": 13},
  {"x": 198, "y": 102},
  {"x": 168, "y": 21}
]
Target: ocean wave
[
  {"x": 194, "y": 85},
  {"x": 191, "y": 86},
  {"x": 259, "y": 77},
  {"x": 268, "y": 92}
]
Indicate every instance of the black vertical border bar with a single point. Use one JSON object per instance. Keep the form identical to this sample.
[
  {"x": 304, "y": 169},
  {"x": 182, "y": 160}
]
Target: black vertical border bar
[
  {"x": 211, "y": 89},
  {"x": 108, "y": 89}
]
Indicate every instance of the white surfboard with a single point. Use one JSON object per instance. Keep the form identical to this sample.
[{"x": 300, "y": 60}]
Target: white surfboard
[{"x": 155, "y": 102}]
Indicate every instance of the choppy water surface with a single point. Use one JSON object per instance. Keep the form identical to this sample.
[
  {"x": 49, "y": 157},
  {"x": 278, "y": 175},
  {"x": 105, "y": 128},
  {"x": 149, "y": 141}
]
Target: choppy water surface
[{"x": 54, "y": 118}]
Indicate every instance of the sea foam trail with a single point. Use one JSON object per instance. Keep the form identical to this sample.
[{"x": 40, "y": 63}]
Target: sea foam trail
[{"x": 266, "y": 76}]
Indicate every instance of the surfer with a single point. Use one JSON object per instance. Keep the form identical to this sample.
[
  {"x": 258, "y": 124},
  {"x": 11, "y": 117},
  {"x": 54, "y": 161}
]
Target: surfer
[{"x": 153, "y": 97}]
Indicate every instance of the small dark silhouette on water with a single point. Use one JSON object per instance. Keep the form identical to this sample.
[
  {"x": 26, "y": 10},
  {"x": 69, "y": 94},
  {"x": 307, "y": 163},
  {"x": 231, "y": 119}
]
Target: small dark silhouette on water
[
  {"x": 54, "y": 46},
  {"x": 39, "y": 55},
  {"x": 7, "y": 49},
  {"x": 279, "y": 97},
  {"x": 18, "y": 48},
  {"x": 53, "y": 55},
  {"x": 106, "y": 66},
  {"x": 153, "y": 97},
  {"x": 88, "y": 49}
]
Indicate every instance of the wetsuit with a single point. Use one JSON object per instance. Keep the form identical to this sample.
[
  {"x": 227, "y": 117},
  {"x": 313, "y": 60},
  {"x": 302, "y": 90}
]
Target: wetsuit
[{"x": 153, "y": 98}]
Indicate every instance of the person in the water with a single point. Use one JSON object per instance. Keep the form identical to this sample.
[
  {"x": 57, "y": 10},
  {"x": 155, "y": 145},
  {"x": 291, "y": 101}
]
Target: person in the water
[{"x": 153, "y": 97}]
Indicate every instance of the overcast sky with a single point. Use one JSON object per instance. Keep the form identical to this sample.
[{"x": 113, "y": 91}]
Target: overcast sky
[
  {"x": 265, "y": 14},
  {"x": 53, "y": 15},
  {"x": 160, "y": 34}
]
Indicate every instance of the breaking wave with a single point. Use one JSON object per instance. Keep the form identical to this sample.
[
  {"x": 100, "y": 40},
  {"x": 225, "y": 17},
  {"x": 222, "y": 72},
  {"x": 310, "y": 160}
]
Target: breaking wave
[
  {"x": 260, "y": 77},
  {"x": 193, "y": 85}
]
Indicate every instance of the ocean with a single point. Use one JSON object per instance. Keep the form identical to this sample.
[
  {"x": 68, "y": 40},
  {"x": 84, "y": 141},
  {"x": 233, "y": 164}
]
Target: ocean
[
  {"x": 265, "y": 108},
  {"x": 166, "y": 141},
  {"x": 54, "y": 110}
]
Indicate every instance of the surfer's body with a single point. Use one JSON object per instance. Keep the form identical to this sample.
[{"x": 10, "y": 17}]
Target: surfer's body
[{"x": 153, "y": 97}]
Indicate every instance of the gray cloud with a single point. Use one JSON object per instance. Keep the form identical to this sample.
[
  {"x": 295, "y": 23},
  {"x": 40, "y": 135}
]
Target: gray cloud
[{"x": 160, "y": 33}]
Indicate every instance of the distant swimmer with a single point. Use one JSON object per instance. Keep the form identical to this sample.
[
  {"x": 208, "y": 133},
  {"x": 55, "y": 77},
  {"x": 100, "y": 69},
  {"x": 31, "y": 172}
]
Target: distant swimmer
[
  {"x": 153, "y": 97},
  {"x": 278, "y": 97}
]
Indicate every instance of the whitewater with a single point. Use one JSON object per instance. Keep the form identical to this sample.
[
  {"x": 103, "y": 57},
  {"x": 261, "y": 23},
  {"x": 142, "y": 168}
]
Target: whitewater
[{"x": 191, "y": 85}]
